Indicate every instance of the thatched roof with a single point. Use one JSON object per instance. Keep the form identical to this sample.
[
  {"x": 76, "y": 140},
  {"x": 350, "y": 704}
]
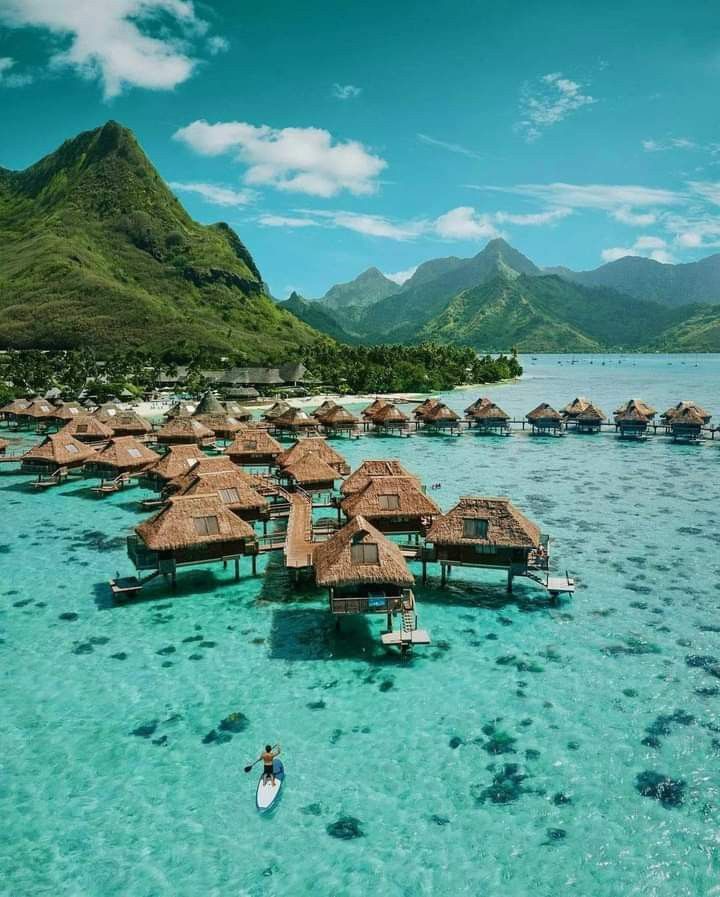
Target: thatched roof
[
  {"x": 39, "y": 409},
  {"x": 87, "y": 426},
  {"x": 642, "y": 407},
  {"x": 421, "y": 410},
  {"x": 208, "y": 465},
  {"x": 61, "y": 449},
  {"x": 576, "y": 407},
  {"x": 338, "y": 416},
  {"x": 220, "y": 423},
  {"x": 358, "y": 479},
  {"x": 310, "y": 469},
  {"x": 129, "y": 422},
  {"x": 177, "y": 461},
  {"x": 179, "y": 409},
  {"x": 371, "y": 410},
  {"x": 231, "y": 485},
  {"x": 17, "y": 406},
  {"x": 239, "y": 412},
  {"x": 591, "y": 414},
  {"x": 67, "y": 411},
  {"x": 389, "y": 414},
  {"x": 372, "y": 502},
  {"x": 630, "y": 416},
  {"x": 323, "y": 409},
  {"x": 688, "y": 416},
  {"x": 183, "y": 522},
  {"x": 334, "y": 564},
  {"x": 250, "y": 442},
  {"x": 316, "y": 445},
  {"x": 208, "y": 404},
  {"x": 671, "y": 413},
  {"x": 543, "y": 412},
  {"x": 107, "y": 411},
  {"x": 489, "y": 411},
  {"x": 440, "y": 412},
  {"x": 126, "y": 453},
  {"x": 477, "y": 405},
  {"x": 276, "y": 410},
  {"x": 506, "y": 526},
  {"x": 186, "y": 429},
  {"x": 294, "y": 417}
]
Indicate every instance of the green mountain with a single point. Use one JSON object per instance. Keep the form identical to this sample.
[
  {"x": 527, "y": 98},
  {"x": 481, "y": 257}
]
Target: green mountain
[
  {"x": 369, "y": 287},
  {"x": 96, "y": 251},
  {"x": 317, "y": 316},
  {"x": 686, "y": 284},
  {"x": 547, "y": 314}
]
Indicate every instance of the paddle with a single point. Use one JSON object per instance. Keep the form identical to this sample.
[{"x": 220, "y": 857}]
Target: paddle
[{"x": 250, "y": 766}]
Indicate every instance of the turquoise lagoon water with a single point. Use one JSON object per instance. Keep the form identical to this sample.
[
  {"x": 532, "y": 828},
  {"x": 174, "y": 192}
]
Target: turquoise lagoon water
[{"x": 502, "y": 760}]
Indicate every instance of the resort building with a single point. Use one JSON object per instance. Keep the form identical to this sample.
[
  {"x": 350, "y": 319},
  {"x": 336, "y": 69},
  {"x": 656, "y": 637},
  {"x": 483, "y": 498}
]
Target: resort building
[
  {"x": 66, "y": 411},
  {"x": 488, "y": 418},
  {"x": 191, "y": 529},
  {"x": 374, "y": 469},
  {"x": 208, "y": 404},
  {"x": 393, "y": 505},
  {"x": 647, "y": 411},
  {"x": 239, "y": 412},
  {"x": 233, "y": 488},
  {"x": 129, "y": 423},
  {"x": 88, "y": 428},
  {"x": 107, "y": 411},
  {"x": 254, "y": 448},
  {"x": 184, "y": 430},
  {"x": 545, "y": 420},
  {"x": 389, "y": 419},
  {"x": 276, "y": 410},
  {"x": 687, "y": 425},
  {"x": 323, "y": 409},
  {"x": 440, "y": 418},
  {"x": 180, "y": 409},
  {"x": 122, "y": 456},
  {"x": 667, "y": 416},
  {"x": 177, "y": 461},
  {"x": 590, "y": 419},
  {"x": 477, "y": 405},
  {"x": 371, "y": 410},
  {"x": 54, "y": 456},
  {"x": 38, "y": 414},
  {"x": 9, "y": 413},
  {"x": 574, "y": 409},
  {"x": 222, "y": 425},
  {"x": 294, "y": 421},
  {"x": 206, "y": 465},
  {"x": 631, "y": 423},
  {"x": 484, "y": 532},
  {"x": 339, "y": 421},
  {"x": 318, "y": 446},
  {"x": 309, "y": 473},
  {"x": 421, "y": 410}
]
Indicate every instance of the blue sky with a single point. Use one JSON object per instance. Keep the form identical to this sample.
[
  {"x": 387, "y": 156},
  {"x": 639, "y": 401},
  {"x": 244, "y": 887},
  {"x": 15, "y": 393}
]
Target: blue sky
[{"x": 335, "y": 136}]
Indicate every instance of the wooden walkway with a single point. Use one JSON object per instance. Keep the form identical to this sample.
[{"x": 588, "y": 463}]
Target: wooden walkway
[{"x": 299, "y": 546}]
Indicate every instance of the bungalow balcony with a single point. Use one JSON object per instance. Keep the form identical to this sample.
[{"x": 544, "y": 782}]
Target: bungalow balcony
[{"x": 384, "y": 598}]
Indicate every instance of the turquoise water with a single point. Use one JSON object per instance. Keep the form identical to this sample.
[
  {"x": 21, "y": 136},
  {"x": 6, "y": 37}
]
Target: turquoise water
[{"x": 502, "y": 760}]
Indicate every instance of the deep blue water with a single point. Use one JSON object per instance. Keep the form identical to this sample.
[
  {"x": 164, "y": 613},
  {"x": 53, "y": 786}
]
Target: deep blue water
[{"x": 534, "y": 748}]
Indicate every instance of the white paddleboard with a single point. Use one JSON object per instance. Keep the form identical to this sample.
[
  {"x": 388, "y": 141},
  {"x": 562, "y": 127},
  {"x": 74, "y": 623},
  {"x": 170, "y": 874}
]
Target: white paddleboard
[{"x": 266, "y": 793}]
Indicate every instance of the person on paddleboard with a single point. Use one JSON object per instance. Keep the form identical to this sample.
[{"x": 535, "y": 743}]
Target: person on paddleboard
[{"x": 267, "y": 757}]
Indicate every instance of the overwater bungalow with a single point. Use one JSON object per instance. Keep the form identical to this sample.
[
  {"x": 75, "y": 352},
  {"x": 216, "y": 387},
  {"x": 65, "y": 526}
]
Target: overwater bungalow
[
  {"x": 208, "y": 404},
  {"x": 180, "y": 409},
  {"x": 440, "y": 418},
  {"x": 129, "y": 423},
  {"x": 120, "y": 457},
  {"x": 687, "y": 425},
  {"x": 88, "y": 428},
  {"x": 254, "y": 448},
  {"x": 315, "y": 445},
  {"x": 366, "y": 573},
  {"x": 276, "y": 410},
  {"x": 235, "y": 492},
  {"x": 310, "y": 473},
  {"x": 52, "y": 458},
  {"x": 545, "y": 420},
  {"x": 66, "y": 411},
  {"x": 339, "y": 421},
  {"x": 107, "y": 411},
  {"x": 205, "y": 464},
  {"x": 667, "y": 416},
  {"x": 389, "y": 419},
  {"x": 426, "y": 405},
  {"x": 323, "y": 409},
  {"x": 9, "y": 412},
  {"x": 631, "y": 423},
  {"x": 373, "y": 469},
  {"x": 185, "y": 430},
  {"x": 393, "y": 505},
  {"x": 177, "y": 461},
  {"x": 371, "y": 410},
  {"x": 484, "y": 532},
  {"x": 38, "y": 414},
  {"x": 590, "y": 419},
  {"x": 488, "y": 418},
  {"x": 638, "y": 405},
  {"x": 574, "y": 409},
  {"x": 191, "y": 529},
  {"x": 222, "y": 425},
  {"x": 294, "y": 421},
  {"x": 239, "y": 412},
  {"x": 476, "y": 405}
]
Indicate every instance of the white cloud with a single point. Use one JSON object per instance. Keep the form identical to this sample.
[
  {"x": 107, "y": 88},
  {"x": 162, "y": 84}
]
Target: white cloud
[
  {"x": 215, "y": 194},
  {"x": 536, "y": 218},
  {"x": 378, "y": 226},
  {"x": 647, "y": 246},
  {"x": 647, "y": 242},
  {"x": 286, "y": 221},
  {"x": 301, "y": 160},
  {"x": 346, "y": 91},
  {"x": 464, "y": 223},
  {"x": 659, "y": 146},
  {"x": 400, "y": 277},
  {"x": 12, "y": 79},
  {"x": 609, "y": 197},
  {"x": 634, "y": 219},
  {"x": 709, "y": 190},
  {"x": 123, "y": 43},
  {"x": 547, "y": 102},
  {"x": 617, "y": 252},
  {"x": 217, "y": 44},
  {"x": 451, "y": 147}
]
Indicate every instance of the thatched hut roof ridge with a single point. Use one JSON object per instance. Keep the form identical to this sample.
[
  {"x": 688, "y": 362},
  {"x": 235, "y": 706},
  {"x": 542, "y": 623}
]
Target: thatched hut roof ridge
[
  {"x": 543, "y": 412},
  {"x": 507, "y": 526},
  {"x": 177, "y": 461},
  {"x": 643, "y": 408},
  {"x": 334, "y": 564},
  {"x": 309, "y": 469},
  {"x": 576, "y": 407},
  {"x": 373, "y": 500},
  {"x": 477, "y": 405},
  {"x": 250, "y": 442},
  {"x": 61, "y": 449},
  {"x": 130, "y": 422},
  {"x": 440, "y": 412},
  {"x": 294, "y": 417},
  {"x": 189, "y": 427},
  {"x": 87, "y": 426},
  {"x": 232, "y": 486},
  {"x": 373, "y": 468},
  {"x": 316, "y": 445},
  {"x": 369, "y": 412},
  {"x": 489, "y": 411},
  {"x": 389, "y": 414},
  {"x": 672, "y": 412},
  {"x": 126, "y": 453},
  {"x": 337, "y": 416},
  {"x": 208, "y": 404}
]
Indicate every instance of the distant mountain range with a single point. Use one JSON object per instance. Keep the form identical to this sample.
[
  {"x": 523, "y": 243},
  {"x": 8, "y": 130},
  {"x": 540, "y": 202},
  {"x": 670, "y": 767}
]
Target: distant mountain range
[
  {"x": 96, "y": 251},
  {"x": 499, "y": 299}
]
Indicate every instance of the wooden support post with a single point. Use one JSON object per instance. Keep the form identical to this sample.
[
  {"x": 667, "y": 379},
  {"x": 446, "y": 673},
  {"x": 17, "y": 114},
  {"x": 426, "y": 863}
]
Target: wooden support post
[
  {"x": 443, "y": 575},
  {"x": 510, "y": 580},
  {"x": 237, "y": 569},
  {"x": 389, "y": 622},
  {"x": 254, "y": 564},
  {"x": 173, "y": 579},
  {"x": 424, "y": 570}
]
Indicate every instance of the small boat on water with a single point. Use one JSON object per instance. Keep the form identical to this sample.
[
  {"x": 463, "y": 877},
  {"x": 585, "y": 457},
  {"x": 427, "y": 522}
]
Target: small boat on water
[{"x": 267, "y": 794}]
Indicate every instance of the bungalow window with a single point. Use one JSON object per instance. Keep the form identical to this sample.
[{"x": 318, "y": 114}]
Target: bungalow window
[
  {"x": 71, "y": 449},
  {"x": 251, "y": 446},
  {"x": 81, "y": 428},
  {"x": 364, "y": 553},
  {"x": 474, "y": 528},
  {"x": 73, "y": 410},
  {"x": 229, "y": 495},
  {"x": 134, "y": 453},
  {"x": 206, "y": 526},
  {"x": 389, "y": 502}
]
